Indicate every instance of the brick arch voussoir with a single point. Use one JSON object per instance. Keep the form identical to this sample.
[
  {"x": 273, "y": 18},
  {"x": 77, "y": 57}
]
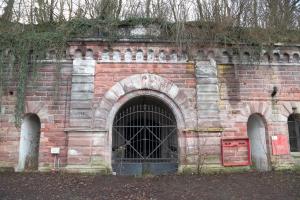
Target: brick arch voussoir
[
  {"x": 141, "y": 82},
  {"x": 288, "y": 108},
  {"x": 37, "y": 108},
  {"x": 261, "y": 108}
]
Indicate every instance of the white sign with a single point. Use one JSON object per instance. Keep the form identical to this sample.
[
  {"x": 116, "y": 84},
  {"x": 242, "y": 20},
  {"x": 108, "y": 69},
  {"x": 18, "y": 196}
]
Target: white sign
[{"x": 55, "y": 150}]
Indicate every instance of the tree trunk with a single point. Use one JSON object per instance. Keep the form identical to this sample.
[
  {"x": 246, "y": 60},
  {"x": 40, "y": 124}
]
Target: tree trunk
[{"x": 8, "y": 11}]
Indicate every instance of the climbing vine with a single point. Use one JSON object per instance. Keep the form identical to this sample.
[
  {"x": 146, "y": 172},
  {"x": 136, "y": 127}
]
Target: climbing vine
[{"x": 22, "y": 46}]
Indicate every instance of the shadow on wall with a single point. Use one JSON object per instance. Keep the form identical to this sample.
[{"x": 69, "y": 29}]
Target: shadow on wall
[
  {"x": 229, "y": 77},
  {"x": 29, "y": 143}
]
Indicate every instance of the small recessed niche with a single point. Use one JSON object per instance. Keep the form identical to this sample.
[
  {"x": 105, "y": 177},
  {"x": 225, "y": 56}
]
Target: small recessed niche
[
  {"x": 89, "y": 54},
  {"x": 226, "y": 57},
  {"x": 246, "y": 56},
  {"x": 150, "y": 55},
  {"x": 78, "y": 54},
  {"x": 286, "y": 57},
  {"x": 266, "y": 57},
  {"x": 276, "y": 57},
  {"x": 296, "y": 58},
  {"x": 200, "y": 55},
  {"x": 173, "y": 56},
  {"x": 211, "y": 55},
  {"x": 139, "y": 55}
]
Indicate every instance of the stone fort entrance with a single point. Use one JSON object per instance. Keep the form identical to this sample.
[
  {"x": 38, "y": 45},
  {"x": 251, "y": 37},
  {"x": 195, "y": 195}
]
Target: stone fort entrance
[{"x": 144, "y": 138}]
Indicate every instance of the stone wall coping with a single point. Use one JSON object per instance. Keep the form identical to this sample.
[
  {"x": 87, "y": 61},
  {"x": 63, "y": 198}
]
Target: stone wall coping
[
  {"x": 83, "y": 74},
  {"x": 267, "y": 64},
  {"x": 63, "y": 61},
  {"x": 204, "y": 130},
  {"x": 121, "y": 40},
  {"x": 234, "y": 138},
  {"x": 142, "y": 62},
  {"x": 80, "y": 130}
]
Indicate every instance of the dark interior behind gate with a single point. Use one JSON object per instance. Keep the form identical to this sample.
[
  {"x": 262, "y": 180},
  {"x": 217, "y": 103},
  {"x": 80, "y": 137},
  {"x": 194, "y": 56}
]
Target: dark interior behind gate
[{"x": 144, "y": 138}]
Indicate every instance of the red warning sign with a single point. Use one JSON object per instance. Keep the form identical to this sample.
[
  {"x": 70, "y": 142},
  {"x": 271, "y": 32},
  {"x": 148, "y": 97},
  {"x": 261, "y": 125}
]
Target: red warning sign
[
  {"x": 236, "y": 152},
  {"x": 280, "y": 144}
]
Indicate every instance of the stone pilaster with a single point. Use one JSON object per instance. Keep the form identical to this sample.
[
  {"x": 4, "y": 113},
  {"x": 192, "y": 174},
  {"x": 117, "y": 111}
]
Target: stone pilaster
[
  {"x": 82, "y": 92},
  {"x": 207, "y": 94}
]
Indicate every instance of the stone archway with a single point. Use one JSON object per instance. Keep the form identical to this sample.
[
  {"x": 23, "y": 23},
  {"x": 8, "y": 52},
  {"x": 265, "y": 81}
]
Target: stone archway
[
  {"x": 29, "y": 143},
  {"x": 147, "y": 83},
  {"x": 256, "y": 130},
  {"x": 144, "y": 85}
]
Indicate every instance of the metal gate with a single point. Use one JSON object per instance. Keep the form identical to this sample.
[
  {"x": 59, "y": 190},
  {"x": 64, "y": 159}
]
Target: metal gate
[
  {"x": 144, "y": 138},
  {"x": 294, "y": 132}
]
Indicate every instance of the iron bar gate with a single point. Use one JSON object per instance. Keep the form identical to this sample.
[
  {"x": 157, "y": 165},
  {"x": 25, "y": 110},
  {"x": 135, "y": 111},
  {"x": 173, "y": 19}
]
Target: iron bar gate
[
  {"x": 144, "y": 138},
  {"x": 294, "y": 132}
]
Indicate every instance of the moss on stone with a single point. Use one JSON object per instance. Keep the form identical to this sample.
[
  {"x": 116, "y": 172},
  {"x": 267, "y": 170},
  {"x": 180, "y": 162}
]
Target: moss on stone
[
  {"x": 7, "y": 169},
  {"x": 212, "y": 169}
]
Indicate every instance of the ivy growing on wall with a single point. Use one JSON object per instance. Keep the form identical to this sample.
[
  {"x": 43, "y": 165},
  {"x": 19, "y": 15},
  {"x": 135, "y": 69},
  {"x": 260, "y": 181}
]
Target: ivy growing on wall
[{"x": 22, "y": 46}]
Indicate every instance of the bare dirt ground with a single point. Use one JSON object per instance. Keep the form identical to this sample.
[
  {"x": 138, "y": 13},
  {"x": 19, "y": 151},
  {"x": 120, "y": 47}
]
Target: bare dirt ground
[{"x": 254, "y": 185}]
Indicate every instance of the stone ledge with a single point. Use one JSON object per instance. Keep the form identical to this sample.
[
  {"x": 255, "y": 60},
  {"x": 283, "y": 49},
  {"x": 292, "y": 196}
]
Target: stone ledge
[
  {"x": 205, "y": 130},
  {"x": 55, "y": 61},
  {"x": 142, "y": 62},
  {"x": 80, "y": 130}
]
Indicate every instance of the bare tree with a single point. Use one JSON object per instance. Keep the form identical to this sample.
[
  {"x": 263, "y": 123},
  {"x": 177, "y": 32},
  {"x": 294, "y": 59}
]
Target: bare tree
[{"x": 8, "y": 11}]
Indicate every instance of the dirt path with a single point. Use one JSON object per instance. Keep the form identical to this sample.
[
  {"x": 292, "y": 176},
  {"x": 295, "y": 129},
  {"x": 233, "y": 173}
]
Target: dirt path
[{"x": 272, "y": 185}]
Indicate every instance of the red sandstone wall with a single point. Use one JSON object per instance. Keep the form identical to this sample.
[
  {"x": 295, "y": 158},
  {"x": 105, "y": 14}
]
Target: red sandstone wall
[
  {"x": 49, "y": 104},
  {"x": 243, "y": 90},
  {"x": 247, "y": 89},
  {"x": 108, "y": 74}
]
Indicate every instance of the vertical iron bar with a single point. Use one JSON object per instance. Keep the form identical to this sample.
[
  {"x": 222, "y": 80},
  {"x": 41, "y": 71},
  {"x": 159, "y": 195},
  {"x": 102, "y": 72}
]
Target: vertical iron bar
[
  {"x": 159, "y": 121},
  {"x": 129, "y": 127},
  {"x": 140, "y": 134},
  {"x": 150, "y": 135}
]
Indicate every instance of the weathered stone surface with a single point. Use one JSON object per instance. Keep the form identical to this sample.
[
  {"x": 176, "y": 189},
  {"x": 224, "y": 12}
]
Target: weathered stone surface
[
  {"x": 117, "y": 56},
  {"x": 81, "y": 96},
  {"x": 139, "y": 56},
  {"x": 105, "y": 56},
  {"x": 208, "y": 106},
  {"x": 82, "y": 79},
  {"x": 83, "y": 70},
  {"x": 80, "y": 105},
  {"x": 82, "y": 87},
  {"x": 80, "y": 122},
  {"x": 128, "y": 56},
  {"x": 150, "y": 56},
  {"x": 207, "y": 80},
  {"x": 204, "y": 69},
  {"x": 81, "y": 114},
  {"x": 207, "y": 88},
  {"x": 118, "y": 90}
]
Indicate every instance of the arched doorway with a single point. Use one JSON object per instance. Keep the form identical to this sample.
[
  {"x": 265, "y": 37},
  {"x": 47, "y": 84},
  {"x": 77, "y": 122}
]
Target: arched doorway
[
  {"x": 294, "y": 132},
  {"x": 29, "y": 143},
  {"x": 257, "y": 134},
  {"x": 144, "y": 138}
]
